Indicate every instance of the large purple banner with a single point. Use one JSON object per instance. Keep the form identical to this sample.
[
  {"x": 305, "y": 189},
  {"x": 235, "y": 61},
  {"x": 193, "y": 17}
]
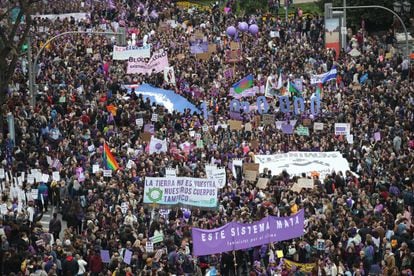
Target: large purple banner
[{"x": 236, "y": 236}]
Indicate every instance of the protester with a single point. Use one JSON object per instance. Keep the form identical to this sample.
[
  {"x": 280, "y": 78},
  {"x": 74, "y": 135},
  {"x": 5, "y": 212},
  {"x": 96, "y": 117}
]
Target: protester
[{"x": 357, "y": 222}]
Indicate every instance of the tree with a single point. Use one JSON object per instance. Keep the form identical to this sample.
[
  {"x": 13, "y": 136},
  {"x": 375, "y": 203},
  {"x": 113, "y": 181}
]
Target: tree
[
  {"x": 251, "y": 6},
  {"x": 15, "y": 24},
  {"x": 375, "y": 19}
]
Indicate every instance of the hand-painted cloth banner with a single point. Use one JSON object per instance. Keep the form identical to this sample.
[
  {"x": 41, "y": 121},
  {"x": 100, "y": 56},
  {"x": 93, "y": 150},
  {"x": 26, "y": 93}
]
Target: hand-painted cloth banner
[
  {"x": 303, "y": 267},
  {"x": 156, "y": 64},
  {"x": 168, "y": 98},
  {"x": 198, "y": 192},
  {"x": 322, "y": 78},
  {"x": 236, "y": 236},
  {"x": 296, "y": 162},
  {"x": 76, "y": 15},
  {"x": 124, "y": 53}
]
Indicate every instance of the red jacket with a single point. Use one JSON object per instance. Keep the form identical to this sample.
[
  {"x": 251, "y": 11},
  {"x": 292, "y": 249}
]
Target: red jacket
[{"x": 95, "y": 264}]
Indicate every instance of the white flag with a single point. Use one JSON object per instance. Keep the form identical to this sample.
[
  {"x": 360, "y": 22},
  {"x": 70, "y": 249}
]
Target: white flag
[{"x": 157, "y": 145}]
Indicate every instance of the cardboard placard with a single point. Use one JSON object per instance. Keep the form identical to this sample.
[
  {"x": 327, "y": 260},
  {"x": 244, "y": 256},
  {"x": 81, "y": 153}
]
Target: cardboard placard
[
  {"x": 248, "y": 127},
  {"x": 306, "y": 122},
  {"x": 199, "y": 35},
  {"x": 296, "y": 188},
  {"x": 233, "y": 56},
  {"x": 268, "y": 119},
  {"x": 250, "y": 175},
  {"x": 254, "y": 144},
  {"x": 317, "y": 126},
  {"x": 203, "y": 56},
  {"x": 180, "y": 56},
  {"x": 234, "y": 45},
  {"x": 146, "y": 136},
  {"x": 212, "y": 48},
  {"x": 235, "y": 125},
  {"x": 305, "y": 183},
  {"x": 251, "y": 167},
  {"x": 257, "y": 120},
  {"x": 262, "y": 183}
]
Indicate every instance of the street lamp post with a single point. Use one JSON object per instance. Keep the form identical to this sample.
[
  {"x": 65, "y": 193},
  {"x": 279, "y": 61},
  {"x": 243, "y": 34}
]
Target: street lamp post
[
  {"x": 403, "y": 8},
  {"x": 33, "y": 65},
  {"x": 407, "y": 48}
]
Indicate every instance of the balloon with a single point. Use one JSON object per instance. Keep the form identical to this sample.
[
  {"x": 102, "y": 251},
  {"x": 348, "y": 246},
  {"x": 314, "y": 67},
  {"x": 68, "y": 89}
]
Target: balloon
[
  {"x": 243, "y": 26},
  {"x": 253, "y": 29},
  {"x": 231, "y": 31},
  {"x": 186, "y": 214}
]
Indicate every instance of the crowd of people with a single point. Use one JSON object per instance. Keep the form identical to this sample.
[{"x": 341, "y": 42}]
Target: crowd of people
[{"x": 357, "y": 222}]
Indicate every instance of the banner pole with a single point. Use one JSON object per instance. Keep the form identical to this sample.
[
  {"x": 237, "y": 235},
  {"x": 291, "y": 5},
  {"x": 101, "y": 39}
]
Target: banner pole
[{"x": 235, "y": 263}]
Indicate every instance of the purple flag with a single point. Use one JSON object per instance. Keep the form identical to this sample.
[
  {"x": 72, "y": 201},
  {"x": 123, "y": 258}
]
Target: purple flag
[
  {"x": 111, "y": 4},
  {"x": 105, "y": 256},
  {"x": 199, "y": 47},
  {"x": 229, "y": 73},
  {"x": 149, "y": 128},
  {"x": 287, "y": 129},
  {"x": 237, "y": 236}
]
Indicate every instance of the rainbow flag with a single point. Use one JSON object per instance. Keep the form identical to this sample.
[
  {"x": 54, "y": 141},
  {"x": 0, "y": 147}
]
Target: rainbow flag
[
  {"x": 319, "y": 89},
  {"x": 109, "y": 160},
  {"x": 243, "y": 84},
  {"x": 111, "y": 108}
]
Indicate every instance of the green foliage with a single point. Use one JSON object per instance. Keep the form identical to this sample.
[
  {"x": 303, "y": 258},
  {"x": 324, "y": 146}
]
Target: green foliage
[
  {"x": 251, "y": 6},
  {"x": 375, "y": 19}
]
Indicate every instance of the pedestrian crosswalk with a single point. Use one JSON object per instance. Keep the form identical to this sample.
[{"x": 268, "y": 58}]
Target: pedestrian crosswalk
[{"x": 47, "y": 216}]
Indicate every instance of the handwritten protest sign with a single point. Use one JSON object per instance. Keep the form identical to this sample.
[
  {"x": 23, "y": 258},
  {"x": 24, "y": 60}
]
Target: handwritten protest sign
[
  {"x": 262, "y": 183},
  {"x": 303, "y": 131},
  {"x": 305, "y": 183},
  {"x": 317, "y": 126},
  {"x": 342, "y": 129},
  {"x": 250, "y": 175},
  {"x": 268, "y": 119},
  {"x": 235, "y": 125},
  {"x": 251, "y": 167}
]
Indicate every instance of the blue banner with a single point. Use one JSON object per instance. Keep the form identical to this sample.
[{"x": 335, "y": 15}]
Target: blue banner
[{"x": 168, "y": 98}]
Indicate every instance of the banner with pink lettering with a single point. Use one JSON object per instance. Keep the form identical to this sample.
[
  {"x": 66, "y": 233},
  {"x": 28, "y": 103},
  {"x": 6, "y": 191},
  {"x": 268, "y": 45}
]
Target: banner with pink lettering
[{"x": 156, "y": 64}]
